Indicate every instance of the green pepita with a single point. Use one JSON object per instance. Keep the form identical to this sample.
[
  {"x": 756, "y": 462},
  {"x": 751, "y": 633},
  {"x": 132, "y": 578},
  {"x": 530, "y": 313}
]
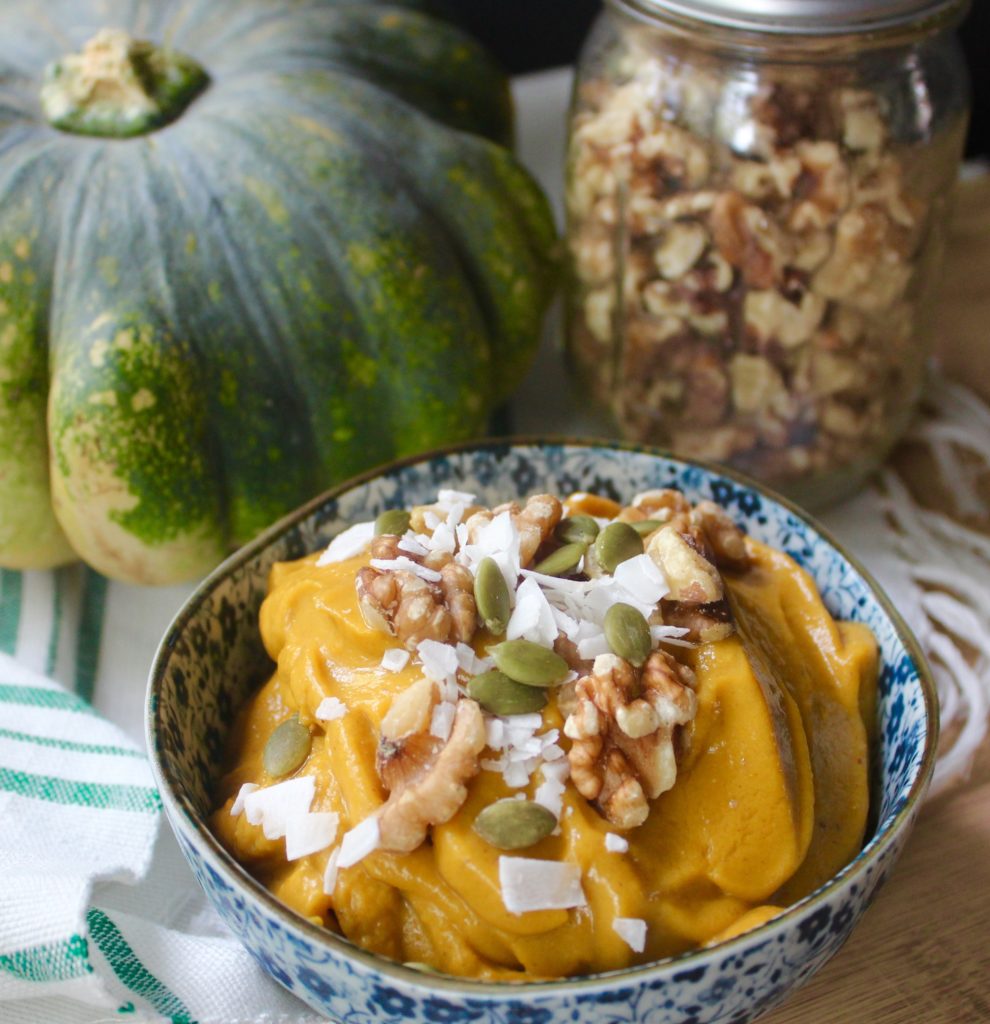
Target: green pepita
[
  {"x": 529, "y": 663},
  {"x": 628, "y": 633},
  {"x": 578, "y": 529},
  {"x": 616, "y": 543},
  {"x": 514, "y": 824},
  {"x": 646, "y": 526},
  {"x": 287, "y": 747},
  {"x": 491, "y": 595},
  {"x": 394, "y": 520},
  {"x": 563, "y": 561},
  {"x": 498, "y": 694}
]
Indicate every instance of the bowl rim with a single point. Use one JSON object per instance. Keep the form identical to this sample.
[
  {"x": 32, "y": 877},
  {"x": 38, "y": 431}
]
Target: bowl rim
[{"x": 339, "y": 945}]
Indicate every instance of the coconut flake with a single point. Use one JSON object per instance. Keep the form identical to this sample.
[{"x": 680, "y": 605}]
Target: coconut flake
[
  {"x": 516, "y": 773},
  {"x": 439, "y": 660},
  {"x": 632, "y": 931},
  {"x": 403, "y": 564},
  {"x": 444, "y": 539},
  {"x": 361, "y": 840},
  {"x": 642, "y": 578},
  {"x": 413, "y": 544},
  {"x": 273, "y": 806},
  {"x": 592, "y": 647},
  {"x": 238, "y": 805},
  {"x": 532, "y": 618},
  {"x": 310, "y": 833},
  {"x": 615, "y": 843},
  {"x": 498, "y": 540},
  {"x": 330, "y": 872},
  {"x": 448, "y": 496},
  {"x": 529, "y": 884},
  {"x": 330, "y": 709},
  {"x": 442, "y": 720},
  {"x": 495, "y": 736},
  {"x": 469, "y": 662},
  {"x": 550, "y": 792},
  {"x": 395, "y": 659},
  {"x": 348, "y": 543}
]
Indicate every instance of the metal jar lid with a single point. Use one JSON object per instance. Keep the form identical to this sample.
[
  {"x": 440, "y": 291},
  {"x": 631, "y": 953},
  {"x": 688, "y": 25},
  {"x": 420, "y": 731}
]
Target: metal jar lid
[{"x": 803, "y": 17}]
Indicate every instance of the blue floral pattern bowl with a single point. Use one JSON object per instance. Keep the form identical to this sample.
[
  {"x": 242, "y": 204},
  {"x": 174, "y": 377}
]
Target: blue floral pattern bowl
[{"x": 211, "y": 659}]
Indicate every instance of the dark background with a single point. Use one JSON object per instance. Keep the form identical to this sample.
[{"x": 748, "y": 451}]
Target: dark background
[{"x": 527, "y": 35}]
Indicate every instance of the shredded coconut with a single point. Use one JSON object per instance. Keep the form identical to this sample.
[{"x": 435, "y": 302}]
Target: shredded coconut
[
  {"x": 442, "y": 720},
  {"x": 330, "y": 872},
  {"x": 532, "y": 618},
  {"x": 330, "y": 708},
  {"x": 348, "y": 543},
  {"x": 395, "y": 659},
  {"x": 446, "y": 497},
  {"x": 529, "y": 884},
  {"x": 310, "y": 833},
  {"x": 632, "y": 931},
  {"x": 615, "y": 843},
  {"x": 440, "y": 662},
  {"x": 238, "y": 805},
  {"x": 403, "y": 564},
  {"x": 272, "y": 807},
  {"x": 361, "y": 840}
]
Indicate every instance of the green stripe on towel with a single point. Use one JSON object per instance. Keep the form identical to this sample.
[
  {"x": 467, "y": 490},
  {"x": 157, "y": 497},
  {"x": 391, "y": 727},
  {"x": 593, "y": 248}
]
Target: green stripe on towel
[
  {"x": 79, "y": 748},
  {"x": 94, "y": 601},
  {"x": 102, "y": 796},
  {"x": 131, "y": 971},
  {"x": 42, "y": 697},
  {"x": 10, "y": 609},
  {"x": 53, "y": 961}
]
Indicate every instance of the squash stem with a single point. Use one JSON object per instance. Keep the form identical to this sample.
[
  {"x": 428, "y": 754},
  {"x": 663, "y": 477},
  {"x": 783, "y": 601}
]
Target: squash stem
[{"x": 119, "y": 87}]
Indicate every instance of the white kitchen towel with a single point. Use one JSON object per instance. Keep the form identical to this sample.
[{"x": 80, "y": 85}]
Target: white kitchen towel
[{"x": 100, "y": 918}]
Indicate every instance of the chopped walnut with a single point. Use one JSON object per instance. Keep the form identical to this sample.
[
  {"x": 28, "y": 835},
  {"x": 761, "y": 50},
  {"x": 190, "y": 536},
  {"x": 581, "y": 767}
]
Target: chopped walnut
[
  {"x": 403, "y": 605},
  {"x": 691, "y": 576},
  {"x": 434, "y": 793},
  {"x": 535, "y": 521},
  {"x": 622, "y": 751},
  {"x": 749, "y": 240},
  {"x": 756, "y": 219},
  {"x": 726, "y": 541},
  {"x": 405, "y": 745}
]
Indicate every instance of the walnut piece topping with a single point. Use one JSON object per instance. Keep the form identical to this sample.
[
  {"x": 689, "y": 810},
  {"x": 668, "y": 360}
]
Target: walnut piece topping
[
  {"x": 432, "y": 791},
  {"x": 403, "y": 605},
  {"x": 622, "y": 731},
  {"x": 535, "y": 521}
]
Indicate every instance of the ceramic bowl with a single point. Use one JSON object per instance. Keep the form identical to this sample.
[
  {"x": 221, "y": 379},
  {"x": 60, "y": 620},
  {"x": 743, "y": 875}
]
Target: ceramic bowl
[{"x": 211, "y": 659}]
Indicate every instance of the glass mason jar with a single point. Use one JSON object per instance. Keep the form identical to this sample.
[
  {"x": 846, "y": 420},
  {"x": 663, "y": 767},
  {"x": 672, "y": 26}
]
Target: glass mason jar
[{"x": 756, "y": 213}]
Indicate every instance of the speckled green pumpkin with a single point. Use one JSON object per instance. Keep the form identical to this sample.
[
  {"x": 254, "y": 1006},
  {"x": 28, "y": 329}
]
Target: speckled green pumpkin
[{"x": 313, "y": 257}]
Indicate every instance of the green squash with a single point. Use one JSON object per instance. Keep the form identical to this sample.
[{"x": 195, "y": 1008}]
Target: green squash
[{"x": 265, "y": 246}]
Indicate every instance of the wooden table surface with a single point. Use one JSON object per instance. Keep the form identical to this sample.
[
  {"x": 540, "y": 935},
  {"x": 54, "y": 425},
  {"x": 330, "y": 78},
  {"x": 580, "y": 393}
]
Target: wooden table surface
[{"x": 921, "y": 954}]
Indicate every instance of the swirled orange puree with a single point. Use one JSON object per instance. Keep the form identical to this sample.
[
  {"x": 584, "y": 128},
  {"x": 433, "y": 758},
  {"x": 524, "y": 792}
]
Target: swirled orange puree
[{"x": 771, "y": 796}]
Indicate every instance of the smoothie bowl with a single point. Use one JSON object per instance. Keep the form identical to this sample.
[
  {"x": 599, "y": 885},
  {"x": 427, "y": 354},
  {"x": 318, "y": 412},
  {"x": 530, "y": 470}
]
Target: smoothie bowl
[{"x": 554, "y": 731}]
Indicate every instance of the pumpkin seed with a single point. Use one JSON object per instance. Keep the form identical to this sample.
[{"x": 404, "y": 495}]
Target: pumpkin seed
[
  {"x": 563, "y": 561},
  {"x": 646, "y": 526},
  {"x": 576, "y": 530},
  {"x": 287, "y": 747},
  {"x": 616, "y": 543},
  {"x": 491, "y": 595},
  {"x": 529, "y": 663},
  {"x": 514, "y": 824},
  {"x": 628, "y": 633},
  {"x": 394, "y": 520},
  {"x": 497, "y": 693}
]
